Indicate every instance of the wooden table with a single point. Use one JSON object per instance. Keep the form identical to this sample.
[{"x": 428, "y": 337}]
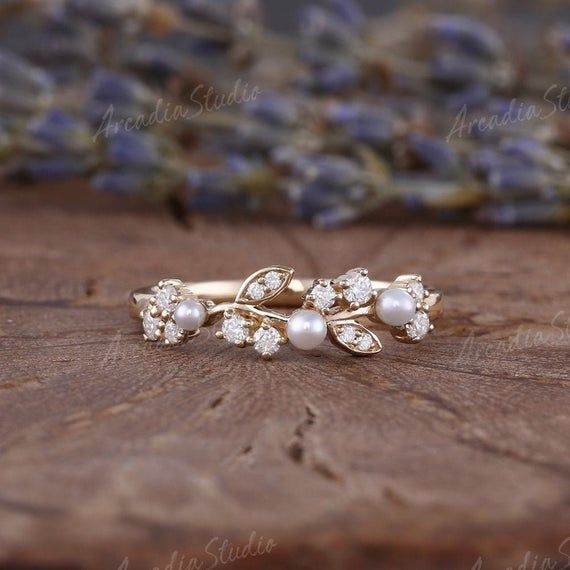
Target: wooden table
[{"x": 427, "y": 456}]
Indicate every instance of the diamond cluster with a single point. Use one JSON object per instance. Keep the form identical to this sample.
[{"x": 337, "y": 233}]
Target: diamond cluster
[
  {"x": 354, "y": 289},
  {"x": 267, "y": 341},
  {"x": 265, "y": 285},
  {"x": 357, "y": 287},
  {"x": 420, "y": 324},
  {"x": 157, "y": 317},
  {"x": 322, "y": 295},
  {"x": 351, "y": 336},
  {"x": 237, "y": 329}
]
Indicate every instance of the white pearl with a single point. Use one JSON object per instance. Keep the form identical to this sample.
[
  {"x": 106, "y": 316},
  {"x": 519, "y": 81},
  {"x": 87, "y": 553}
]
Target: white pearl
[
  {"x": 395, "y": 307},
  {"x": 190, "y": 315},
  {"x": 306, "y": 329}
]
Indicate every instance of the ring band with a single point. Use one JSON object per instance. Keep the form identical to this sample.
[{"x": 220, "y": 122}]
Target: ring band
[{"x": 174, "y": 311}]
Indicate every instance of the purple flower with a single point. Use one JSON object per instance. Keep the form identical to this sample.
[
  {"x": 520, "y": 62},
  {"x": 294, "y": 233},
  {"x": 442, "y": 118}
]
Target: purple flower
[
  {"x": 154, "y": 59},
  {"x": 347, "y": 11},
  {"x": 533, "y": 151},
  {"x": 17, "y": 73},
  {"x": 51, "y": 40},
  {"x": 334, "y": 77},
  {"x": 326, "y": 170},
  {"x": 54, "y": 167},
  {"x": 373, "y": 125},
  {"x": 456, "y": 70},
  {"x": 324, "y": 27},
  {"x": 220, "y": 188},
  {"x": 472, "y": 96},
  {"x": 274, "y": 109},
  {"x": 104, "y": 12},
  {"x": 59, "y": 131},
  {"x": 515, "y": 181},
  {"x": 23, "y": 88},
  {"x": 434, "y": 154},
  {"x": 121, "y": 183},
  {"x": 124, "y": 95},
  {"x": 134, "y": 149},
  {"x": 468, "y": 36},
  {"x": 532, "y": 212},
  {"x": 223, "y": 14}
]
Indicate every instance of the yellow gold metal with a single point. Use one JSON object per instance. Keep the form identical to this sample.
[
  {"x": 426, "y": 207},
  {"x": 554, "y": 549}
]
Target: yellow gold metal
[{"x": 253, "y": 302}]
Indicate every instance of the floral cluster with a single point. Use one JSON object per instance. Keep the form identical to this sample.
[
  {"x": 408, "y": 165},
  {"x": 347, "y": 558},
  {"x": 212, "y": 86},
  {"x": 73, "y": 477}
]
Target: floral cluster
[
  {"x": 419, "y": 325},
  {"x": 348, "y": 291},
  {"x": 158, "y": 319},
  {"x": 248, "y": 322}
]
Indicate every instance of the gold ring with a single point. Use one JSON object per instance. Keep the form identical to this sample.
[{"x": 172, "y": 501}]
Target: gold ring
[{"x": 174, "y": 311}]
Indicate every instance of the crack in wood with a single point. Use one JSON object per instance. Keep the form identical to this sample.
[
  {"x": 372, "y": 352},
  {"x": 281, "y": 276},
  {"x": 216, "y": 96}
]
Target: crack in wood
[
  {"x": 472, "y": 439},
  {"x": 90, "y": 287},
  {"x": 297, "y": 449},
  {"x": 217, "y": 401}
]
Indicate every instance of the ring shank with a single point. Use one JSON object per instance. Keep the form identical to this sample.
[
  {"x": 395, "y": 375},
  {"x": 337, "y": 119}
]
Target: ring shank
[{"x": 226, "y": 291}]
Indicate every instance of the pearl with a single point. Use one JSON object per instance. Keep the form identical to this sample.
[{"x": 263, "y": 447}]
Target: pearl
[
  {"x": 395, "y": 307},
  {"x": 306, "y": 329},
  {"x": 190, "y": 315}
]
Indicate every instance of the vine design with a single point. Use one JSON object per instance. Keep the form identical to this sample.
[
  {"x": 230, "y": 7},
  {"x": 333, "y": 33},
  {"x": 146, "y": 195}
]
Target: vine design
[{"x": 248, "y": 321}]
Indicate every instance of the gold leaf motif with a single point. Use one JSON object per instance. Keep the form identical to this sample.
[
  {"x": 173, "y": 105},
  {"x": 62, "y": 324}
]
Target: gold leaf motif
[
  {"x": 264, "y": 285},
  {"x": 354, "y": 337}
]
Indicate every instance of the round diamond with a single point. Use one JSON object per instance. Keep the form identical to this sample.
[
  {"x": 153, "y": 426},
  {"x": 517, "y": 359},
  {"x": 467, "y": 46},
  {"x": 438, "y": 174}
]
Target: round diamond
[
  {"x": 273, "y": 280},
  {"x": 358, "y": 289},
  {"x": 419, "y": 326},
  {"x": 150, "y": 326},
  {"x": 347, "y": 334},
  {"x": 323, "y": 296},
  {"x": 365, "y": 342},
  {"x": 234, "y": 329},
  {"x": 267, "y": 341},
  {"x": 416, "y": 289},
  {"x": 164, "y": 298},
  {"x": 171, "y": 331},
  {"x": 256, "y": 291}
]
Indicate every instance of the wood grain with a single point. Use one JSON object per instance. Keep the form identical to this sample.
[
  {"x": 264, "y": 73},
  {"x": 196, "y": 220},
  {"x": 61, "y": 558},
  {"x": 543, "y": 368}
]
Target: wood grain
[{"x": 426, "y": 456}]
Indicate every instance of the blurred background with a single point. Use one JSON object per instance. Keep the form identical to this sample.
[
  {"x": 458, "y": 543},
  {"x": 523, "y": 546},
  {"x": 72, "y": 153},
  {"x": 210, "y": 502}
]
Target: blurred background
[{"x": 329, "y": 113}]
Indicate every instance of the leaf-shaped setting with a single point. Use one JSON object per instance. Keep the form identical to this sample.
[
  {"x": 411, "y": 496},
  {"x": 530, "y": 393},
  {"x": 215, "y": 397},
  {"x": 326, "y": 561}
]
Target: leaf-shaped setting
[
  {"x": 264, "y": 285},
  {"x": 354, "y": 337}
]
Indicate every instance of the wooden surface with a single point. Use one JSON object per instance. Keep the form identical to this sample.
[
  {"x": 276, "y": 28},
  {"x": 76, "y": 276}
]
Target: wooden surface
[{"x": 426, "y": 456}]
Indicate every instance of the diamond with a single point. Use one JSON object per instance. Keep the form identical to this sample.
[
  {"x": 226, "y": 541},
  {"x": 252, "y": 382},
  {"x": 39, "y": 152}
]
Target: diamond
[
  {"x": 347, "y": 334},
  {"x": 365, "y": 342},
  {"x": 416, "y": 289},
  {"x": 267, "y": 341},
  {"x": 256, "y": 291},
  {"x": 234, "y": 329},
  {"x": 419, "y": 326},
  {"x": 322, "y": 296},
  {"x": 273, "y": 280},
  {"x": 171, "y": 331},
  {"x": 150, "y": 325},
  {"x": 164, "y": 298},
  {"x": 358, "y": 287}
]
